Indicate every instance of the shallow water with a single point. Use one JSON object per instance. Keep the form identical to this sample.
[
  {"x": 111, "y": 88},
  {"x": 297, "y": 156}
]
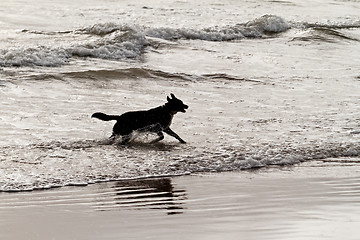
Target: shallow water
[{"x": 53, "y": 142}]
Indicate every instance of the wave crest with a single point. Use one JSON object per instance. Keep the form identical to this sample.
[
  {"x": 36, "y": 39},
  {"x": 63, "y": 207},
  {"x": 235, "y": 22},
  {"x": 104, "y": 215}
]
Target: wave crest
[
  {"x": 269, "y": 24},
  {"x": 120, "y": 42},
  {"x": 41, "y": 56},
  {"x": 258, "y": 28},
  {"x": 119, "y": 45}
]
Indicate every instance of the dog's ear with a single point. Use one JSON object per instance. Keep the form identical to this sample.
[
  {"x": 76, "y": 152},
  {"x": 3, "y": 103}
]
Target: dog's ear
[
  {"x": 168, "y": 99},
  {"x": 172, "y": 96}
]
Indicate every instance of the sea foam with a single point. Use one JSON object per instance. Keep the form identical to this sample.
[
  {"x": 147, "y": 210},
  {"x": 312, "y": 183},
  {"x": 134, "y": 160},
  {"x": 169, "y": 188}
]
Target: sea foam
[
  {"x": 257, "y": 28},
  {"x": 119, "y": 45},
  {"x": 55, "y": 164},
  {"x": 120, "y": 41}
]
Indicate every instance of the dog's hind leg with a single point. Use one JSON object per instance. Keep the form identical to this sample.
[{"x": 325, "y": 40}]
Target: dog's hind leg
[
  {"x": 112, "y": 139},
  {"x": 173, "y": 134},
  {"x": 125, "y": 138},
  {"x": 115, "y": 138},
  {"x": 161, "y": 137}
]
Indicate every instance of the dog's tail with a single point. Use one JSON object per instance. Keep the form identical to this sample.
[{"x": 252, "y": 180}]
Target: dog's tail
[{"x": 104, "y": 117}]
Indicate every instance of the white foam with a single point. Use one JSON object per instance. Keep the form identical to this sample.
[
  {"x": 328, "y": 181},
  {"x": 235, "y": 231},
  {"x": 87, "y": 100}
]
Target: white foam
[
  {"x": 57, "y": 164},
  {"x": 257, "y": 28},
  {"x": 269, "y": 24},
  {"x": 103, "y": 28},
  {"x": 117, "y": 46},
  {"x": 41, "y": 56},
  {"x": 119, "y": 41},
  {"x": 266, "y": 24}
]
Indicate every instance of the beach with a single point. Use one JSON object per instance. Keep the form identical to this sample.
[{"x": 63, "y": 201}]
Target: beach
[
  {"x": 272, "y": 130},
  {"x": 308, "y": 201}
]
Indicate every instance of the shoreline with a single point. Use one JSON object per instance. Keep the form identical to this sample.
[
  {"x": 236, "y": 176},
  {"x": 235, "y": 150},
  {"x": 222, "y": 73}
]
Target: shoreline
[
  {"x": 345, "y": 161},
  {"x": 268, "y": 203}
]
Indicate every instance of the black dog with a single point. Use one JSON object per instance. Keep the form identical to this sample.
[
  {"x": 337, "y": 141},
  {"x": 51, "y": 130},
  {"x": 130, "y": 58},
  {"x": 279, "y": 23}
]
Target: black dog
[{"x": 156, "y": 120}]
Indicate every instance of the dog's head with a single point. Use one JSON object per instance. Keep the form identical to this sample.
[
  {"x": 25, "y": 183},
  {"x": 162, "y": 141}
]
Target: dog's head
[{"x": 176, "y": 105}]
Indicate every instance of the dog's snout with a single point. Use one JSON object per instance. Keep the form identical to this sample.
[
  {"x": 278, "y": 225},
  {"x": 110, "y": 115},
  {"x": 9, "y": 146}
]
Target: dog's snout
[{"x": 186, "y": 106}]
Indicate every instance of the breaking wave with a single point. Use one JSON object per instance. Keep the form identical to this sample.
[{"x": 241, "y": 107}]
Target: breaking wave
[
  {"x": 258, "y": 28},
  {"x": 118, "y": 46},
  {"x": 57, "y": 164},
  {"x": 120, "y": 42}
]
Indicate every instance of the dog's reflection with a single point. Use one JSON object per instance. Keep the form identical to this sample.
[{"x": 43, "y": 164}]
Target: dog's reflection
[{"x": 156, "y": 193}]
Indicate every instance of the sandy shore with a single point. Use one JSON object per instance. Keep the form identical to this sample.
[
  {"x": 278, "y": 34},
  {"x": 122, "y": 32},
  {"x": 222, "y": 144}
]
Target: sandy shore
[{"x": 310, "y": 201}]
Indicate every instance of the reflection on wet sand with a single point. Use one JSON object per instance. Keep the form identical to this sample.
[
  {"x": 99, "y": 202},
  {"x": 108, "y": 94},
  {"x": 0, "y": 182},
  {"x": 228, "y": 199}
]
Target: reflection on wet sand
[
  {"x": 153, "y": 193},
  {"x": 158, "y": 193}
]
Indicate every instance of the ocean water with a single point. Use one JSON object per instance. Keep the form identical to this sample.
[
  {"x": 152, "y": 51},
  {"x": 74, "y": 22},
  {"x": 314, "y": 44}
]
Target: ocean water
[{"x": 267, "y": 83}]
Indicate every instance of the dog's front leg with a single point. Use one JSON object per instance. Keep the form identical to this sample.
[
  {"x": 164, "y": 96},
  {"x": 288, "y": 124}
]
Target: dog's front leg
[{"x": 173, "y": 134}]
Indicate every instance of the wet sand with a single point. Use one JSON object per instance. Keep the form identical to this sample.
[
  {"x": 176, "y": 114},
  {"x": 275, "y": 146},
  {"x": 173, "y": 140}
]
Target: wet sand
[{"x": 313, "y": 200}]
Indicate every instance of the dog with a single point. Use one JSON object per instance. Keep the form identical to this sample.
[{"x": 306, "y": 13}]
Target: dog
[{"x": 156, "y": 120}]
